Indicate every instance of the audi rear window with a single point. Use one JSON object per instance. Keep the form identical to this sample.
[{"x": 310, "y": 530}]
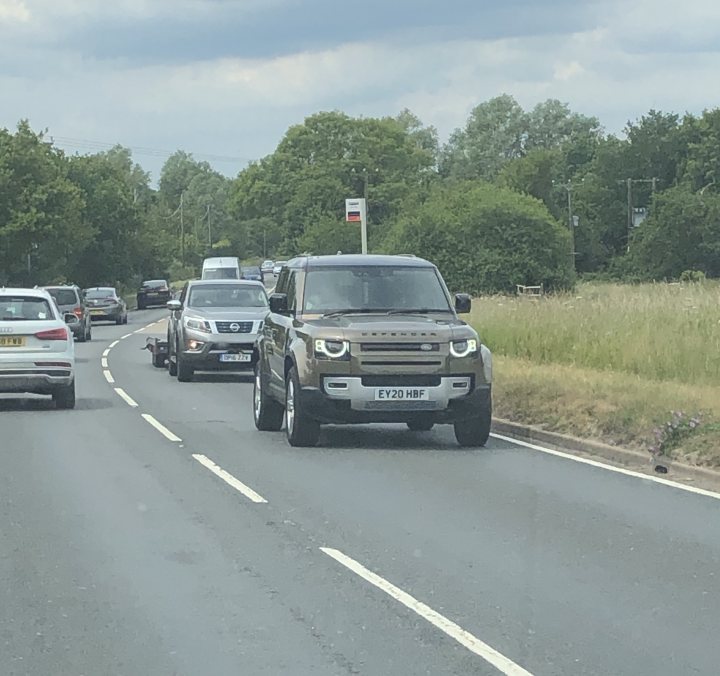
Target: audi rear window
[{"x": 24, "y": 309}]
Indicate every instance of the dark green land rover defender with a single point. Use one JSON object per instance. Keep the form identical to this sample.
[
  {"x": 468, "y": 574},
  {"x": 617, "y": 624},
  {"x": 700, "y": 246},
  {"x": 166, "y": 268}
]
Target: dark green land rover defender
[{"x": 369, "y": 339}]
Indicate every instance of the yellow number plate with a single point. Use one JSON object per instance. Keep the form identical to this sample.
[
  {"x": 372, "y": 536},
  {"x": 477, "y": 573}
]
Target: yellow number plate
[{"x": 12, "y": 341}]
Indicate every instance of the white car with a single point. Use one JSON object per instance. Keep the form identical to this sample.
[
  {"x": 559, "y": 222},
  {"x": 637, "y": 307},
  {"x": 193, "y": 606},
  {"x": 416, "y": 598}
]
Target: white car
[
  {"x": 37, "y": 351},
  {"x": 278, "y": 267}
]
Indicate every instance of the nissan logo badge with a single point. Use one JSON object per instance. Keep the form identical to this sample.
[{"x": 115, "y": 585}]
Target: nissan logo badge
[
  {"x": 426, "y": 347},
  {"x": 235, "y": 327}
]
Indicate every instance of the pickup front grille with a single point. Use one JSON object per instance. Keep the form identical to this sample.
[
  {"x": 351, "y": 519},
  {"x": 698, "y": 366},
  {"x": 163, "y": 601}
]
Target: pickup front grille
[{"x": 234, "y": 327}]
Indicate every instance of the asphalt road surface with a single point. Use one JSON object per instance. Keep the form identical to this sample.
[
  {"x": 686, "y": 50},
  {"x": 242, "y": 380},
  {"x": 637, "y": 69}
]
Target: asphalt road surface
[{"x": 153, "y": 531}]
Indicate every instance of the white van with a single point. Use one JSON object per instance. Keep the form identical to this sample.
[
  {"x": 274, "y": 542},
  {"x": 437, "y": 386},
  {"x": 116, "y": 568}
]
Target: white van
[{"x": 221, "y": 268}]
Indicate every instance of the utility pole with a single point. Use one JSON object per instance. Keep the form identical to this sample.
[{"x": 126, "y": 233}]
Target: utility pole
[
  {"x": 569, "y": 186},
  {"x": 629, "y": 187},
  {"x": 209, "y": 224},
  {"x": 182, "y": 229}
]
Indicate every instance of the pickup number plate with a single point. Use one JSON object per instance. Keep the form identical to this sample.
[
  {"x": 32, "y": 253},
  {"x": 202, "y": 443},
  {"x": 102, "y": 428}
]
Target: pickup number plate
[
  {"x": 401, "y": 394},
  {"x": 232, "y": 357}
]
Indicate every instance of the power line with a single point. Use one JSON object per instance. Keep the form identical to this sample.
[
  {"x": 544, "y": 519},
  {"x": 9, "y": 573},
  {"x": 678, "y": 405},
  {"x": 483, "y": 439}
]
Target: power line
[{"x": 88, "y": 144}]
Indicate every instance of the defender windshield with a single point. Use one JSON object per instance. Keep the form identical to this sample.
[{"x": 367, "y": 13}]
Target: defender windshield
[
  {"x": 227, "y": 295},
  {"x": 366, "y": 288}
]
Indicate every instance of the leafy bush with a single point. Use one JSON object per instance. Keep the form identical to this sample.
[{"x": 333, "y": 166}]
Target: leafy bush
[
  {"x": 486, "y": 239},
  {"x": 673, "y": 432},
  {"x": 692, "y": 276}
]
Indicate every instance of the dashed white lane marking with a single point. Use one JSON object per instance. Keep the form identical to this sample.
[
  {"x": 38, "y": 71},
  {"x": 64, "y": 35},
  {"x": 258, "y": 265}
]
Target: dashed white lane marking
[
  {"x": 160, "y": 428},
  {"x": 108, "y": 376},
  {"x": 229, "y": 479},
  {"x": 104, "y": 362},
  {"x": 610, "y": 468},
  {"x": 113, "y": 344},
  {"x": 126, "y": 397},
  {"x": 503, "y": 664},
  {"x": 106, "y": 353},
  {"x": 127, "y": 335}
]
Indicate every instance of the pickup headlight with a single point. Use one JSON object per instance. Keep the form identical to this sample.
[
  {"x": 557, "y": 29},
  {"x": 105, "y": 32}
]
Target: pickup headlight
[
  {"x": 332, "y": 349},
  {"x": 197, "y": 325},
  {"x": 463, "y": 348}
]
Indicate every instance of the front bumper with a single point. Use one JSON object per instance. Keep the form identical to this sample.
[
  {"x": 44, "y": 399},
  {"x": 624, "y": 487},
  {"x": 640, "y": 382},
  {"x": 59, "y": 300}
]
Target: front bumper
[
  {"x": 357, "y": 403},
  {"x": 214, "y": 346}
]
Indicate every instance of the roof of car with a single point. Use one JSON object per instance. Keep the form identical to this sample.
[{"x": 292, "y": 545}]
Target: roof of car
[
  {"x": 214, "y": 282},
  {"x": 15, "y": 291},
  {"x": 363, "y": 259},
  {"x": 60, "y": 286}
]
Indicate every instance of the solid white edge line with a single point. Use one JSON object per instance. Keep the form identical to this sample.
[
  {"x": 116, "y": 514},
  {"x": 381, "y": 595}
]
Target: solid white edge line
[
  {"x": 104, "y": 362},
  {"x": 160, "y": 428},
  {"x": 126, "y": 397},
  {"x": 113, "y": 344},
  {"x": 610, "y": 468},
  {"x": 106, "y": 353},
  {"x": 127, "y": 335},
  {"x": 454, "y": 631},
  {"x": 109, "y": 376},
  {"x": 229, "y": 479}
]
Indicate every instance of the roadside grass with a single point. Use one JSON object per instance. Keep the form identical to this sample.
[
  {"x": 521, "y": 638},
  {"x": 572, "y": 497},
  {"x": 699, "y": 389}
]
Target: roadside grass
[
  {"x": 610, "y": 362},
  {"x": 657, "y": 331}
]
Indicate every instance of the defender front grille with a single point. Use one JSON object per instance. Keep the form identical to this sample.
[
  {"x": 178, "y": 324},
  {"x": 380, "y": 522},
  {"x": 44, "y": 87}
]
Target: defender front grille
[
  {"x": 409, "y": 380},
  {"x": 400, "y": 347}
]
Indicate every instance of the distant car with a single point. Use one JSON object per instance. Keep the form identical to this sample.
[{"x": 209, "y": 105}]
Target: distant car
[
  {"x": 277, "y": 269},
  {"x": 69, "y": 300},
  {"x": 37, "y": 352},
  {"x": 153, "y": 292},
  {"x": 267, "y": 266},
  {"x": 252, "y": 274},
  {"x": 214, "y": 326},
  {"x": 105, "y": 305}
]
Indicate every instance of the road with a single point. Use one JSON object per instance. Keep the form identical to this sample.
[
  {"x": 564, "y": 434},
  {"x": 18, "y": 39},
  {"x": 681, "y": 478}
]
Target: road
[{"x": 188, "y": 543}]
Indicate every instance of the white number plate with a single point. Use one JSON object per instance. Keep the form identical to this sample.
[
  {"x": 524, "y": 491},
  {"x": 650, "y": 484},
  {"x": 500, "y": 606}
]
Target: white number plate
[
  {"x": 236, "y": 357},
  {"x": 401, "y": 394}
]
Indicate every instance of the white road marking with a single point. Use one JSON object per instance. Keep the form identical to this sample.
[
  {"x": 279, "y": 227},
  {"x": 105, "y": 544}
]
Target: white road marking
[
  {"x": 104, "y": 362},
  {"x": 126, "y": 397},
  {"x": 160, "y": 428},
  {"x": 127, "y": 335},
  {"x": 228, "y": 478},
  {"x": 610, "y": 468},
  {"x": 454, "y": 631},
  {"x": 113, "y": 344},
  {"x": 106, "y": 353},
  {"x": 108, "y": 376}
]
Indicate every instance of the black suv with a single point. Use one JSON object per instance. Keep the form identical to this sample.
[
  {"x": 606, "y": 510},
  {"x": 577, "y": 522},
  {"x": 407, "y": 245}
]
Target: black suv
[
  {"x": 70, "y": 300},
  {"x": 363, "y": 339},
  {"x": 153, "y": 292}
]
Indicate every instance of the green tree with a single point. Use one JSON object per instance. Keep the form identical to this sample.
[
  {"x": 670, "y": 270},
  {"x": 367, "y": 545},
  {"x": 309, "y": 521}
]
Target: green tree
[
  {"x": 41, "y": 226},
  {"x": 486, "y": 239}
]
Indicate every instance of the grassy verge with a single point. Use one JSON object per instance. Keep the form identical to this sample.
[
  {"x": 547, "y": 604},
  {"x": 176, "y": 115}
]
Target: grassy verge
[{"x": 610, "y": 363}]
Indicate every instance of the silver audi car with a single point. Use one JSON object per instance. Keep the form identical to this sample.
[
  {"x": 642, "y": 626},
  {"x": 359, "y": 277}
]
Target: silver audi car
[{"x": 214, "y": 326}]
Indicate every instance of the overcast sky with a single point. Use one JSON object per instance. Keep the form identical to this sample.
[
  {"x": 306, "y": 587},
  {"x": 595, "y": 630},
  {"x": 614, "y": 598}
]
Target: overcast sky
[{"x": 225, "y": 78}]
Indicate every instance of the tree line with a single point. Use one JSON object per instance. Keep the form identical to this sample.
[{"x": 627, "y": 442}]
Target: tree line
[{"x": 514, "y": 197}]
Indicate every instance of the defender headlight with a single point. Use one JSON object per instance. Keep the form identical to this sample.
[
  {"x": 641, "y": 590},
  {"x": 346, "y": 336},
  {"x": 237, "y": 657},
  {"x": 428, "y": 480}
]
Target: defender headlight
[
  {"x": 332, "y": 349},
  {"x": 463, "y": 348}
]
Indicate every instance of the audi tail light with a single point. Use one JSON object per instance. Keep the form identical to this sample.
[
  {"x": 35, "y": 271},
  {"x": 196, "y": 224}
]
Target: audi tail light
[{"x": 53, "y": 334}]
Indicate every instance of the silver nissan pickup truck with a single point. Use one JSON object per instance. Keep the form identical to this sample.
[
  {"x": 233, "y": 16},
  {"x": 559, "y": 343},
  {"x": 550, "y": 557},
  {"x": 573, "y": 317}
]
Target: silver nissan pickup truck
[{"x": 214, "y": 326}]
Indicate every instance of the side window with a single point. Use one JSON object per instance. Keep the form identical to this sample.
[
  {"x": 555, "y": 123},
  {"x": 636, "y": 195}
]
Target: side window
[
  {"x": 291, "y": 290},
  {"x": 282, "y": 281}
]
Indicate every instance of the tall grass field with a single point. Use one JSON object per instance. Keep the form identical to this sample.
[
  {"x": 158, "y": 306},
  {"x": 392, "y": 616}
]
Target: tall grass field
[
  {"x": 657, "y": 331},
  {"x": 609, "y": 361}
]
